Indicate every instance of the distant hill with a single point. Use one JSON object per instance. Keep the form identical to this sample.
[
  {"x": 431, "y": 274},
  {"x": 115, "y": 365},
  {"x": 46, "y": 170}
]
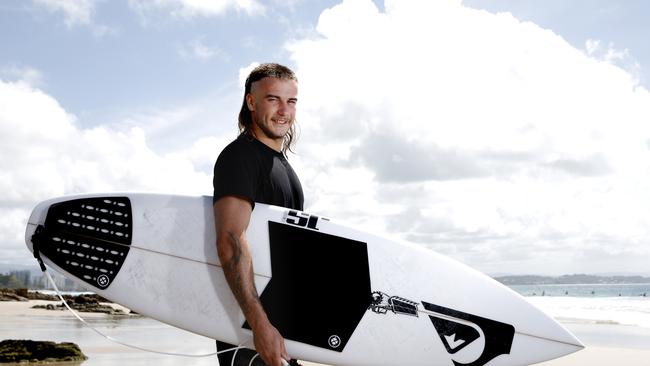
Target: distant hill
[{"x": 570, "y": 279}]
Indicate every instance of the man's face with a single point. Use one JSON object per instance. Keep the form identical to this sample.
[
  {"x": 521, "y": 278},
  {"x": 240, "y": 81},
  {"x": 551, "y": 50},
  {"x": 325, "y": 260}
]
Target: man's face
[{"x": 272, "y": 102}]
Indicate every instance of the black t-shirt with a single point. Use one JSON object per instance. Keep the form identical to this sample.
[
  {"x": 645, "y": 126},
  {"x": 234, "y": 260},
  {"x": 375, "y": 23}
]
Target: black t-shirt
[{"x": 247, "y": 168}]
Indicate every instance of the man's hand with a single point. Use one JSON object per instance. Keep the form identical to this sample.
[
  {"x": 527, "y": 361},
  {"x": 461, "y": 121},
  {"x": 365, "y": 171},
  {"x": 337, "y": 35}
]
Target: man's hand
[{"x": 270, "y": 345}]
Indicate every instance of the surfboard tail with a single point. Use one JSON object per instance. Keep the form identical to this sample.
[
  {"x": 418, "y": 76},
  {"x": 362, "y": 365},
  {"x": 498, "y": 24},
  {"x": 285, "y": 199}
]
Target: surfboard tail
[{"x": 87, "y": 237}]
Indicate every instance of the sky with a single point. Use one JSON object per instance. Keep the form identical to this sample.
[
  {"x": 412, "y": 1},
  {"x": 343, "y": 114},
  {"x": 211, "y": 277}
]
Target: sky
[{"x": 513, "y": 136}]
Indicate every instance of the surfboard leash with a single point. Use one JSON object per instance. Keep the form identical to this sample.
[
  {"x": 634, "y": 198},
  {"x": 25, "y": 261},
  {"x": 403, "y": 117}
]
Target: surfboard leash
[{"x": 114, "y": 340}]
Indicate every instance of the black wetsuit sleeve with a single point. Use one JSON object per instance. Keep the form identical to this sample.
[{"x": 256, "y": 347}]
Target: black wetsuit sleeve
[{"x": 236, "y": 173}]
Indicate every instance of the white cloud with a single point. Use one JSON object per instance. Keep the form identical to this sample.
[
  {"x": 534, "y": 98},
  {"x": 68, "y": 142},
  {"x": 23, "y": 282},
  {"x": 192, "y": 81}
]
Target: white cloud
[
  {"x": 45, "y": 153},
  {"x": 194, "y": 8},
  {"x": 614, "y": 56},
  {"x": 76, "y": 12},
  {"x": 28, "y": 75},
  {"x": 592, "y": 46},
  {"x": 484, "y": 137},
  {"x": 198, "y": 50},
  {"x": 171, "y": 128}
]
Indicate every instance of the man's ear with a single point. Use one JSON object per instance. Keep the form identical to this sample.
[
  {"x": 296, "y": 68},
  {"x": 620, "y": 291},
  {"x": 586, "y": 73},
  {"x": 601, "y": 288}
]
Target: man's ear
[{"x": 249, "y": 102}]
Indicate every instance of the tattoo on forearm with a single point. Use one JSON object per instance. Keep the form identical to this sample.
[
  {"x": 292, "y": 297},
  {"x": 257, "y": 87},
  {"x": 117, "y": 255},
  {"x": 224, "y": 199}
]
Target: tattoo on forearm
[{"x": 239, "y": 277}]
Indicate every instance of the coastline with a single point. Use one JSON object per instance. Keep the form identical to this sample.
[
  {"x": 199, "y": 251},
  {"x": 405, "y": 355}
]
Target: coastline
[{"x": 606, "y": 343}]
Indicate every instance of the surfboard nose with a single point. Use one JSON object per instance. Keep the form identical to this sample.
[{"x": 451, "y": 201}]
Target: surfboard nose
[
  {"x": 531, "y": 349},
  {"x": 571, "y": 339},
  {"x": 538, "y": 336}
]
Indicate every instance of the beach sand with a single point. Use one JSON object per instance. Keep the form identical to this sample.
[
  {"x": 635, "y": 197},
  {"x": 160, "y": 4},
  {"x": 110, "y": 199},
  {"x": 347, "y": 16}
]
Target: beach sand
[
  {"x": 603, "y": 356},
  {"x": 606, "y": 343},
  {"x": 592, "y": 356}
]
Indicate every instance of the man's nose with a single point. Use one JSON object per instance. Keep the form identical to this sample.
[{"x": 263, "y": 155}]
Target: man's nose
[{"x": 283, "y": 108}]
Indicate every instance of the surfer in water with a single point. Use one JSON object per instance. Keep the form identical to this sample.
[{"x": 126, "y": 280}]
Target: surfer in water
[{"x": 254, "y": 168}]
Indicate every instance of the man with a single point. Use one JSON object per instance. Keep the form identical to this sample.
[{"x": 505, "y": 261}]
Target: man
[{"x": 254, "y": 168}]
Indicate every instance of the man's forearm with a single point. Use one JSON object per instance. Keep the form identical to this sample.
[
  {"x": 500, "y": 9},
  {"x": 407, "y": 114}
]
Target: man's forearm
[
  {"x": 232, "y": 216},
  {"x": 238, "y": 269}
]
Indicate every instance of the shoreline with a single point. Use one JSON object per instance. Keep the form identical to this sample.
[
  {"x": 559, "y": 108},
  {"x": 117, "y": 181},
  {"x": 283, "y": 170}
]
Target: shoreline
[{"x": 606, "y": 344}]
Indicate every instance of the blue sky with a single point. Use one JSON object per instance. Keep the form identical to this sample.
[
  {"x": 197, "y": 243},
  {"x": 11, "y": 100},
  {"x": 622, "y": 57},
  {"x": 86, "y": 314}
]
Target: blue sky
[
  {"x": 124, "y": 59},
  {"x": 501, "y": 133}
]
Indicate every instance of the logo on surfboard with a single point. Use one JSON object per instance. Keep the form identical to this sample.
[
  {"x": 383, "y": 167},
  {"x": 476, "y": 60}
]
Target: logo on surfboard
[
  {"x": 482, "y": 339},
  {"x": 103, "y": 281},
  {"x": 453, "y": 344},
  {"x": 334, "y": 341},
  {"x": 302, "y": 219}
]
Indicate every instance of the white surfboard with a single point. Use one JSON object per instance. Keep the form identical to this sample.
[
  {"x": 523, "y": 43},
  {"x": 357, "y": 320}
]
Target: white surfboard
[{"x": 338, "y": 295}]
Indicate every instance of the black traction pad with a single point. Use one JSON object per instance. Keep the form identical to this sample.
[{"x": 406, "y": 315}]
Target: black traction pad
[
  {"x": 320, "y": 286},
  {"x": 88, "y": 237}
]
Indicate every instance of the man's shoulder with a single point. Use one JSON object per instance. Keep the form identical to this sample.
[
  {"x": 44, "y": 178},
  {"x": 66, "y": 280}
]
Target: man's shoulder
[
  {"x": 242, "y": 146},
  {"x": 241, "y": 142}
]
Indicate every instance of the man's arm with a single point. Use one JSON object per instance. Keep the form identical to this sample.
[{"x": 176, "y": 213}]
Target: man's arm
[{"x": 232, "y": 215}]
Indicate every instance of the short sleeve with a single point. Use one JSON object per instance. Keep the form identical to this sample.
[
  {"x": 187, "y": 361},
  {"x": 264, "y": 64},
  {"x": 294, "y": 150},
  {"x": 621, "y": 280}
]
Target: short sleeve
[{"x": 236, "y": 173}]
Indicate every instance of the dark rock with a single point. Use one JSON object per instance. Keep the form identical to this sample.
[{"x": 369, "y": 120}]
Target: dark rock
[
  {"x": 8, "y": 294},
  {"x": 83, "y": 308},
  {"x": 22, "y": 292},
  {"x": 85, "y": 299},
  {"x": 86, "y": 303},
  {"x": 41, "y": 296},
  {"x": 28, "y": 351}
]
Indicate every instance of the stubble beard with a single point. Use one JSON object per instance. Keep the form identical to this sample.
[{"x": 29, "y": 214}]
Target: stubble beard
[{"x": 269, "y": 133}]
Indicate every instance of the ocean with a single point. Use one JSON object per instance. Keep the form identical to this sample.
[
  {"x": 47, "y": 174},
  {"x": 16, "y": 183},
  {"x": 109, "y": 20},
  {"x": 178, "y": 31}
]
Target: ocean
[
  {"x": 587, "y": 290},
  {"x": 620, "y": 304},
  {"x": 605, "y": 315}
]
